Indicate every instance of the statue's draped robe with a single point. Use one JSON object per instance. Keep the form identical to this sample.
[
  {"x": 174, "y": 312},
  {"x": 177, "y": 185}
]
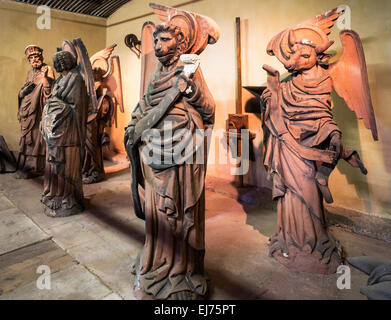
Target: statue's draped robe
[
  {"x": 174, "y": 199},
  {"x": 302, "y": 235},
  {"x": 31, "y": 145},
  {"x": 63, "y": 128},
  {"x": 93, "y": 169}
]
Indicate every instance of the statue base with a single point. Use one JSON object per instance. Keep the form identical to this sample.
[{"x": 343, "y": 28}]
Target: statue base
[
  {"x": 187, "y": 291},
  {"x": 140, "y": 294},
  {"x": 61, "y": 212},
  {"x": 94, "y": 177},
  {"x": 305, "y": 261}
]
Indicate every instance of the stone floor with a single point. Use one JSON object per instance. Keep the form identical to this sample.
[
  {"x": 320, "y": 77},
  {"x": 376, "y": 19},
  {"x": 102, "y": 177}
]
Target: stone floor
[{"x": 90, "y": 254}]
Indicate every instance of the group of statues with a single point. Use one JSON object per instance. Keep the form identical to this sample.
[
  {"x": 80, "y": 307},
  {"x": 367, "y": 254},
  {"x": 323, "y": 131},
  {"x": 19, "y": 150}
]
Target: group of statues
[
  {"x": 63, "y": 122},
  {"x": 302, "y": 141}
]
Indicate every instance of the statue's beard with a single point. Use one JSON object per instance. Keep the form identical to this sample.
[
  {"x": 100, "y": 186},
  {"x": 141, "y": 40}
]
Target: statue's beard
[
  {"x": 168, "y": 59},
  {"x": 36, "y": 65}
]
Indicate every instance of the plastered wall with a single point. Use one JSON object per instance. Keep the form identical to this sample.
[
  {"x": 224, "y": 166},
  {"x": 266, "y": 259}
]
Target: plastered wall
[
  {"x": 18, "y": 28},
  {"x": 261, "y": 20}
]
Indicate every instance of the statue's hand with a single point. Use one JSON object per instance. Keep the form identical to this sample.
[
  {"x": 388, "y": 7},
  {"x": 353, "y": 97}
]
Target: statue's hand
[
  {"x": 336, "y": 145},
  {"x": 45, "y": 70},
  {"x": 186, "y": 86}
]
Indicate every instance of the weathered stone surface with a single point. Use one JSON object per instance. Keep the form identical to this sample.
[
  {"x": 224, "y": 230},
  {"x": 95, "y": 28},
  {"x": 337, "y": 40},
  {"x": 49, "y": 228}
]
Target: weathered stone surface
[
  {"x": 72, "y": 283},
  {"x": 19, "y": 267},
  {"x": 5, "y": 203},
  {"x": 17, "y": 230},
  {"x": 237, "y": 259},
  {"x": 107, "y": 237},
  {"x": 112, "y": 296}
]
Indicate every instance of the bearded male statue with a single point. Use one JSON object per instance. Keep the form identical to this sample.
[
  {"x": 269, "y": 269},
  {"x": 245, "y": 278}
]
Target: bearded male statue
[
  {"x": 170, "y": 195},
  {"x": 31, "y": 99}
]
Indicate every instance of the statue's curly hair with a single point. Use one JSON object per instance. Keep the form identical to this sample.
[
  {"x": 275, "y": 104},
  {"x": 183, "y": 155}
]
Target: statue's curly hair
[
  {"x": 63, "y": 61},
  {"x": 182, "y": 42}
]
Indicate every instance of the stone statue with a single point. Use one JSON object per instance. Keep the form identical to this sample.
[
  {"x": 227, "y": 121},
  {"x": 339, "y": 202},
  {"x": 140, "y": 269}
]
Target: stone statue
[
  {"x": 302, "y": 140},
  {"x": 63, "y": 128},
  {"x": 170, "y": 195},
  {"x": 108, "y": 88},
  {"x": 32, "y": 97}
]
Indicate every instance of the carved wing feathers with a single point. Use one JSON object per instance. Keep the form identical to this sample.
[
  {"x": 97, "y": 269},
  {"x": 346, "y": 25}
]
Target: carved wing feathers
[
  {"x": 163, "y": 12},
  {"x": 86, "y": 68},
  {"x": 114, "y": 82},
  {"x": 326, "y": 20},
  {"x": 350, "y": 79},
  {"x": 103, "y": 54},
  {"x": 148, "y": 58},
  {"x": 100, "y": 60}
]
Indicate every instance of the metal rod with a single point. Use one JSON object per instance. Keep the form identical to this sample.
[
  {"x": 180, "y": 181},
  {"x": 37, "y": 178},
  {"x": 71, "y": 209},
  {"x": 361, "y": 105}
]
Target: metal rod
[{"x": 239, "y": 108}]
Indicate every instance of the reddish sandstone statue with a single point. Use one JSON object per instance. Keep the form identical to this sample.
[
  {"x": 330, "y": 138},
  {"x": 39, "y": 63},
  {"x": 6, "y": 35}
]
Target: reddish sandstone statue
[
  {"x": 32, "y": 97},
  {"x": 170, "y": 195},
  {"x": 302, "y": 140},
  {"x": 63, "y": 127},
  {"x": 108, "y": 88}
]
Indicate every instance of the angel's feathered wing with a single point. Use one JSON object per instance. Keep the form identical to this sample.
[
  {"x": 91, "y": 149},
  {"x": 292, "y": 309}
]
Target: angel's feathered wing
[
  {"x": 86, "y": 71},
  {"x": 112, "y": 73},
  {"x": 350, "y": 79},
  {"x": 79, "y": 51},
  {"x": 100, "y": 60},
  {"x": 148, "y": 58},
  {"x": 325, "y": 21},
  {"x": 114, "y": 82}
]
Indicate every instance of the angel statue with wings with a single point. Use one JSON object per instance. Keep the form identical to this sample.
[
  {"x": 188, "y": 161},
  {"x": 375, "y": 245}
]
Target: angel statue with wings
[
  {"x": 170, "y": 195},
  {"x": 302, "y": 140},
  {"x": 106, "y": 73},
  {"x": 63, "y": 125}
]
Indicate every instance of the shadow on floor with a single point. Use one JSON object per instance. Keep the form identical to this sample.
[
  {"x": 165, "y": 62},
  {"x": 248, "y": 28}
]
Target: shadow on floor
[{"x": 125, "y": 225}]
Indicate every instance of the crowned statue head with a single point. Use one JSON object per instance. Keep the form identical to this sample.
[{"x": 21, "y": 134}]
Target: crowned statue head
[
  {"x": 300, "y": 48},
  {"x": 34, "y": 56},
  {"x": 304, "y": 46}
]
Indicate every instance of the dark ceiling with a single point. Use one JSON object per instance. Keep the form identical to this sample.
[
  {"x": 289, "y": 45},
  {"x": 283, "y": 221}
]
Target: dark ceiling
[{"x": 97, "y": 8}]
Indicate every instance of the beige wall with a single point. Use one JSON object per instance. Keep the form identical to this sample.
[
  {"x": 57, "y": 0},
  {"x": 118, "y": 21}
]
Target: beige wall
[
  {"x": 18, "y": 29},
  {"x": 261, "y": 20}
]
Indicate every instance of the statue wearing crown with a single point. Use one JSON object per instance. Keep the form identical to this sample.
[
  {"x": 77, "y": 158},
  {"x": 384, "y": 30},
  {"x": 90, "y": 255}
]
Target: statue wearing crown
[
  {"x": 175, "y": 107},
  {"x": 303, "y": 141},
  {"x": 31, "y": 99}
]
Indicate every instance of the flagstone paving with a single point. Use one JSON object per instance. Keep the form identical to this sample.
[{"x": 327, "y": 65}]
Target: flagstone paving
[{"x": 90, "y": 254}]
